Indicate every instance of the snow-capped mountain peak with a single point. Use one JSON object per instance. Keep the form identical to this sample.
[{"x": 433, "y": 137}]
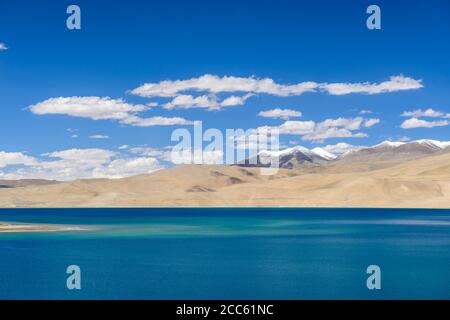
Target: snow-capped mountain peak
[
  {"x": 388, "y": 143},
  {"x": 434, "y": 143},
  {"x": 318, "y": 152},
  {"x": 323, "y": 153},
  {"x": 280, "y": 153},
  {"x": 385, "y": 151}
]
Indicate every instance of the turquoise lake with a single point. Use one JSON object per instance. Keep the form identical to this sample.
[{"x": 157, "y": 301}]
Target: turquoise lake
[{"x": 228, "y": 254}]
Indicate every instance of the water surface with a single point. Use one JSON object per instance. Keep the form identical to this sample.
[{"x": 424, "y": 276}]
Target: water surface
[{"x": 228, "y": 254}]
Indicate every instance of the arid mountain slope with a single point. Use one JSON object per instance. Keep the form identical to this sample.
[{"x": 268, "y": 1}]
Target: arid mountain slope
[
  {"x": 423, "y": 182},
  {"x": 25, "y": 183}
]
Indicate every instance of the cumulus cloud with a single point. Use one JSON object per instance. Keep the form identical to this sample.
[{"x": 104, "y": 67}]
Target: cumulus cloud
[
  {"x": 3, "y": 46},
  {"x": 278, "y": 113},
  {"x": 371, "y": 122},
  {"x": 404, "y": 139},
  {"x": 227, "y": 84},
  {"x": 420, "y": 123},
  {"x": 75, "y": 164},
  {"x": 151, "y": 152},
  {"x": 127, "y": 167},
  {"x": 179, "y": 156},
  {"x": 235, "y": 100},
  {"x": 15, "y": 158},
  {"x": 196, "y": 156},
  {"x": 215, "y": 84},
  {"x": 395, "y": 83},
  {"x": 341, "y": 148},
  {"x": 183, "y": 93},
  {"x": 428, "y": 113},
  {"x": 416, "y": 122},
  {"x": 92, "y": 156},
  {"x": 254, "y": 139},
  {"x": 187, "y": 101},
  {"x": 95, "y": 108},
  {"x": 102, "y": 108},
  {"x": 156, "y": 121},
  {"x": 209, "y": 102},
  {"x": 320, "y": 131}
]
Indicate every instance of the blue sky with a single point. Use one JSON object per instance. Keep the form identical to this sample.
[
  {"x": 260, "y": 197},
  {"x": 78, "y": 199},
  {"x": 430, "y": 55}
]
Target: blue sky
[{"x": 124, "y": 44}]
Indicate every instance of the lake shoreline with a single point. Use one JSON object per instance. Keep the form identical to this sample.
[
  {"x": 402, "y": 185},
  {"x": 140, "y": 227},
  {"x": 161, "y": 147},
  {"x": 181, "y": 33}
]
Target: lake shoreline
[{"x": 31, "y": 227}]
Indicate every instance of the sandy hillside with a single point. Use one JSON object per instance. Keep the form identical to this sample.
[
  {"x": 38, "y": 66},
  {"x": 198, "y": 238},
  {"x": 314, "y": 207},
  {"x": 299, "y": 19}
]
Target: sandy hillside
[{"x": 422, "y": 182}]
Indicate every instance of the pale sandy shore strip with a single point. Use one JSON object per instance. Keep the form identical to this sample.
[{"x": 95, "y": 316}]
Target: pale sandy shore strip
[{"x": 19, "y": 227}]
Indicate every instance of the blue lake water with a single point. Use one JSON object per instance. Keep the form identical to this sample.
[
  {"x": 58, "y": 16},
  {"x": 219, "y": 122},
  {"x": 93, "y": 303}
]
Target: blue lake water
[{"x": 228, "y": 254}]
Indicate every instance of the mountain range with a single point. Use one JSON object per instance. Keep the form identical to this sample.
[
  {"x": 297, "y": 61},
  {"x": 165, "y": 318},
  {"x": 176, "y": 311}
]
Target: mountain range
[
  {"x": 415, "y": 183},
  {"x": 391, "y": 174},
  {"x": 386, "y": 151}
]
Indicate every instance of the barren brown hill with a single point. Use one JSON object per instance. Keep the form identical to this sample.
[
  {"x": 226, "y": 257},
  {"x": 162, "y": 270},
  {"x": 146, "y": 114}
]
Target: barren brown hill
[
  {"x": 421, "y": 183},
  {"x": 25, "y": 183}
]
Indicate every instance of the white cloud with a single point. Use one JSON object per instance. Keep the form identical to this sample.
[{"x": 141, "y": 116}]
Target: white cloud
[
  {"x": 78, "y": 164},
  {"x": 415, "y": 122},
  {"x": 278, "y": 113},
  {"x": 430, "y": 113},
  {"x": 3, "y": 46},
  {"x": 371, "y": 122},
  {"x": 395, "y": 83},
  {"x": 209, "y": 102},
  {"x": 419, "y": 123},
  {"x": 123, "y": 147},
  {"x": 151, "y": 152},
  {"x": 297, "y": 127},
  {"x": 196, "y": 157},
  {"x": 346, "y": 123},
  {"x": 95, "y": 108},
  {"x": 341, "y": 148},
  {"x": 364, "y": 112},
  {"x": 321, "y": 134},
  {"x": 156, "y": 121},
  {"x": 254, "y": 139},
  {"x": 179, "y": 156},
  {"x": 215, "y": 84},
  {"x": 320, "y": 131},
  {"x": 127, "y": 167},
  {"x": 186, "y": 101},
  {"x": 92, "y": 156},
  {"x": 102, "y": 108},
  {"x": 235, "y": 101},
  {"x": 182, "y": 92},
  {"x": 99, "y": 136},
  {"x": 15, "y": 158}
]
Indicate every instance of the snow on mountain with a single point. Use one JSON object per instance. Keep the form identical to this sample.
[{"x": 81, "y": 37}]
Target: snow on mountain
[
  {"x": 324, "y": 154},
  {"x": 386, "y": 150},
  {"x": 387, "y": 143},
  {"x": 434, "y": 143},
  {"x": 319, "y": 152},
  {"x": 281, "y": 153}
]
